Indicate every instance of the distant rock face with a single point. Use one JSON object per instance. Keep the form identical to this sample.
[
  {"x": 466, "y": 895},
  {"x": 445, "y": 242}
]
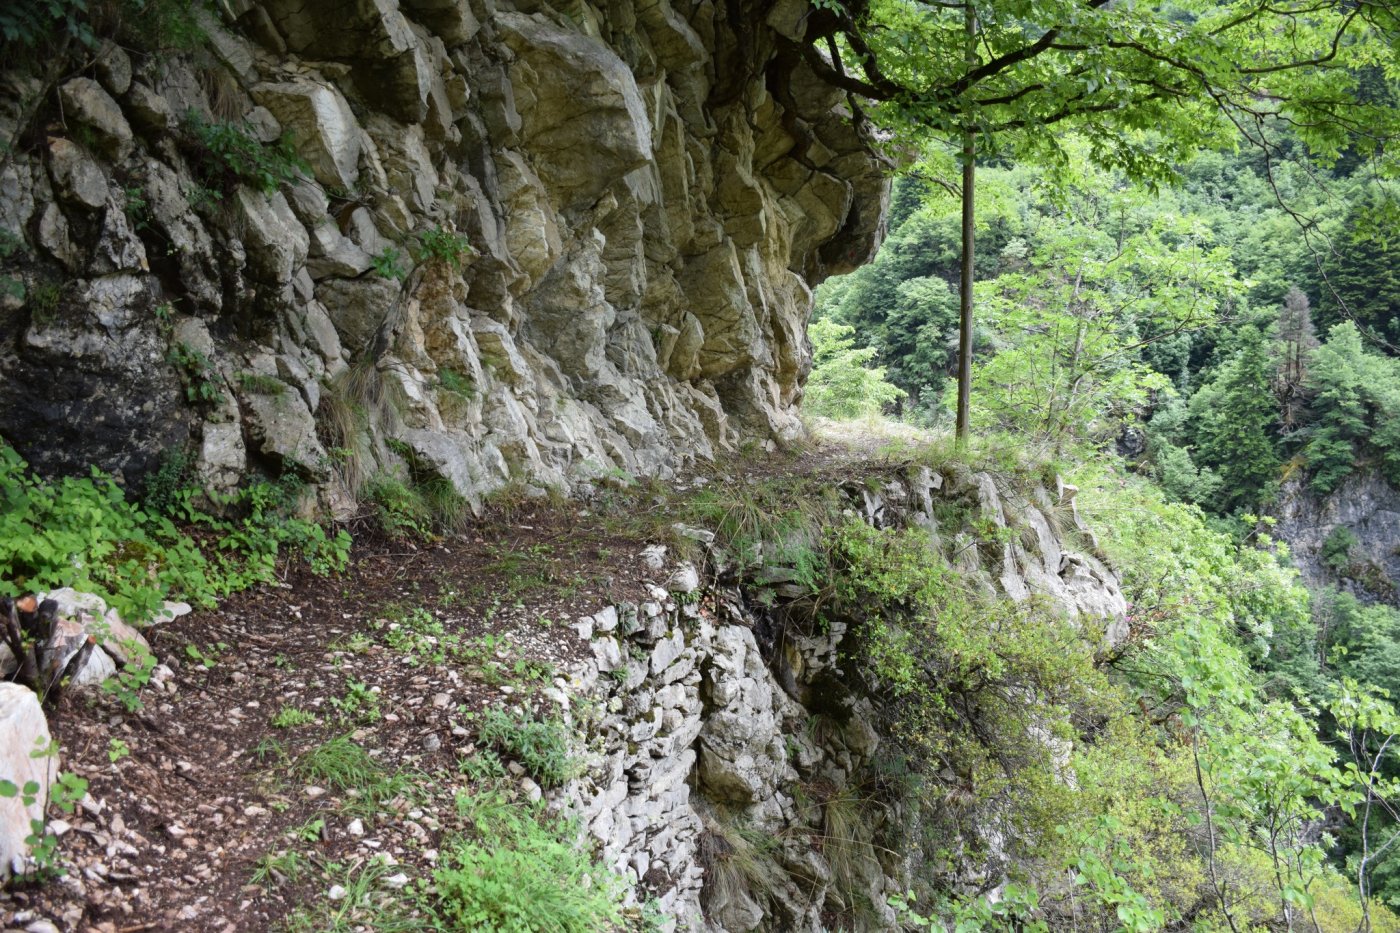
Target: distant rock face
[
  {"x": 561, "y": 239},
  {"x": 1364, "y": 512}
]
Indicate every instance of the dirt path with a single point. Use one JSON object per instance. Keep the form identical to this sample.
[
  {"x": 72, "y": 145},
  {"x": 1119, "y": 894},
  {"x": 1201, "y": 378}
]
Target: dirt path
[
  {"x": 196, "y": 799},
  {"x": 204, "y": 786}
]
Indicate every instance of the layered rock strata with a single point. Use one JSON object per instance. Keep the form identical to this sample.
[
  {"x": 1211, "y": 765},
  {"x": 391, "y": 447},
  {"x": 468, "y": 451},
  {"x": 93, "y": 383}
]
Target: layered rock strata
[
  {"x": 713, "y": 727},
  {"x": 518, "y": 241}
]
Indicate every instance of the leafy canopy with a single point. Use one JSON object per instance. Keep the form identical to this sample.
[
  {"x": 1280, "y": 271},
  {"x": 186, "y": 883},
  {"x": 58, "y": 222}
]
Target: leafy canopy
[{"x": 1195, "y": 73}]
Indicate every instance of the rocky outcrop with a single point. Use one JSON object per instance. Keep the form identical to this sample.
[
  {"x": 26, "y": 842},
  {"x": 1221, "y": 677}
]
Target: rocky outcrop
[
  {"x": 1347, "y": 538},
  {"x": 23, "y": 732},
  {"x": 485, "y": 241},
  {"x": 726, "y": 749}
]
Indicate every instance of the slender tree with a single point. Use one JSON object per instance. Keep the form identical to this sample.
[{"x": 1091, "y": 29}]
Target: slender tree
[{"x": 1295, "y": 340}]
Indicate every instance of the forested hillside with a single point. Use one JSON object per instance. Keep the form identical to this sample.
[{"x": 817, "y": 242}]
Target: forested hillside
[
  {"x": 1107, "y": 309},
  {"x": 1218, "y": 339}
]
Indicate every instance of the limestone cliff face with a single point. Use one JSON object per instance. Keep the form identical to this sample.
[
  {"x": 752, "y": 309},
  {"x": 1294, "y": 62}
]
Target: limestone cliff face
[
  {"x": 1363, "y": 512},
  {"x": 649, "y": 190}
]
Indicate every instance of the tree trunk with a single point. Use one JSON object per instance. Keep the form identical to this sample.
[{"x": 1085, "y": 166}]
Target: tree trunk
[{"x": 969, "y": 151}]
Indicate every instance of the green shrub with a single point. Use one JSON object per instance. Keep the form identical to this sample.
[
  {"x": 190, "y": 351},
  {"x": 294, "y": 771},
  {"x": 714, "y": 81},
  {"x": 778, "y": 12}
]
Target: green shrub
[
  {"x": 31, "y": 23},
  {"x": 259, "y": 384},
  {"x": 1337, "y": 548},
  {"x": 85, "y": 534},
  {"x": 445, "y": 246},
  {"x": 12, "y": 247},
  {"x": 227, "y": 155},
  {"x": 521, "y": 872},
  {"x": 388, "y": 264},
  {"x": 198, "y": 372},
  {"x": 35, "y": 26},
  {"x": 267, "y": 527},
  {"x": 165, "y": 486},
  {"x": 340, "y": 765},
  {"x": 399, "y": 509},
  {"x": 843, "y": 385},
  {"x": 540, "y": 746}
]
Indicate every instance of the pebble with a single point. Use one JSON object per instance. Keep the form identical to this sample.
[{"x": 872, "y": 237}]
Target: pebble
[
  {"x": 337, "y": 893},
  {"x": 441, "y": 700},
  {"x": 397, "y": 881},
  {"x": 312, "y": 791},
  {"x": 356, "y": 828},
  {"x": 432, "y": 743}
]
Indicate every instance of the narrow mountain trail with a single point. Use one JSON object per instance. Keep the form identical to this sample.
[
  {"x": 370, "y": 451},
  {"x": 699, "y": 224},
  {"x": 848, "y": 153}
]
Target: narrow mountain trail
[
  {"x": 321, "y": 728},
  {"x": 190, "y": 795}
]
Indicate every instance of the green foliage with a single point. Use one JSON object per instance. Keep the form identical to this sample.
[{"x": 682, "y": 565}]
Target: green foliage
[
  {"x": 842, "y": 384},
  {"x": 1355, "y": 409},
  {"x": 13, "y": 250},
  {"x": 344, "y": 766},
  {"x": 772, "y": 529},
  {"x": 85, "y": 534},
  {"x": 165, "y": 485},
  {"x": 280, "y": 868},
  {"x": 202, "y": 382},
  {"x": 1358, "y": 282},
  {"x": 1014, "y": 910},
  {"x": 388, "y": 264},
  {"x": 32, "y": 23},
  {"x": 520, "y": 871},
  {"x": 259, "y": 384},
  {"x": 42, "y": 300},
  {"x": 399, "y": 510},
  {"x": 368, "y": 903},
  {"x": 1337, "y": 548},
  {"x": 117, "y": 749},
  {"x": 227, "y": 155},
  {"x": 137, "y": 207},
  {"x": 1143, "y": 84},
  {"x": 1103, "y": 864},
  {"x": 900, "y": 304},
  {"x": 266, "y": 531},
  {"x": 289, "y": 717},
  {"x": 417, "y": 502},
  {"x": 127, "y": 683},
  {"x": 541, "y": 746},
  {"x": 1091, "y": 278},
  {"x": 359, "y": 705},
  {"x": 453, "y": 381},
  {"x": 448, "y": 247},
  {"x": 1234, "y": 418}
]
